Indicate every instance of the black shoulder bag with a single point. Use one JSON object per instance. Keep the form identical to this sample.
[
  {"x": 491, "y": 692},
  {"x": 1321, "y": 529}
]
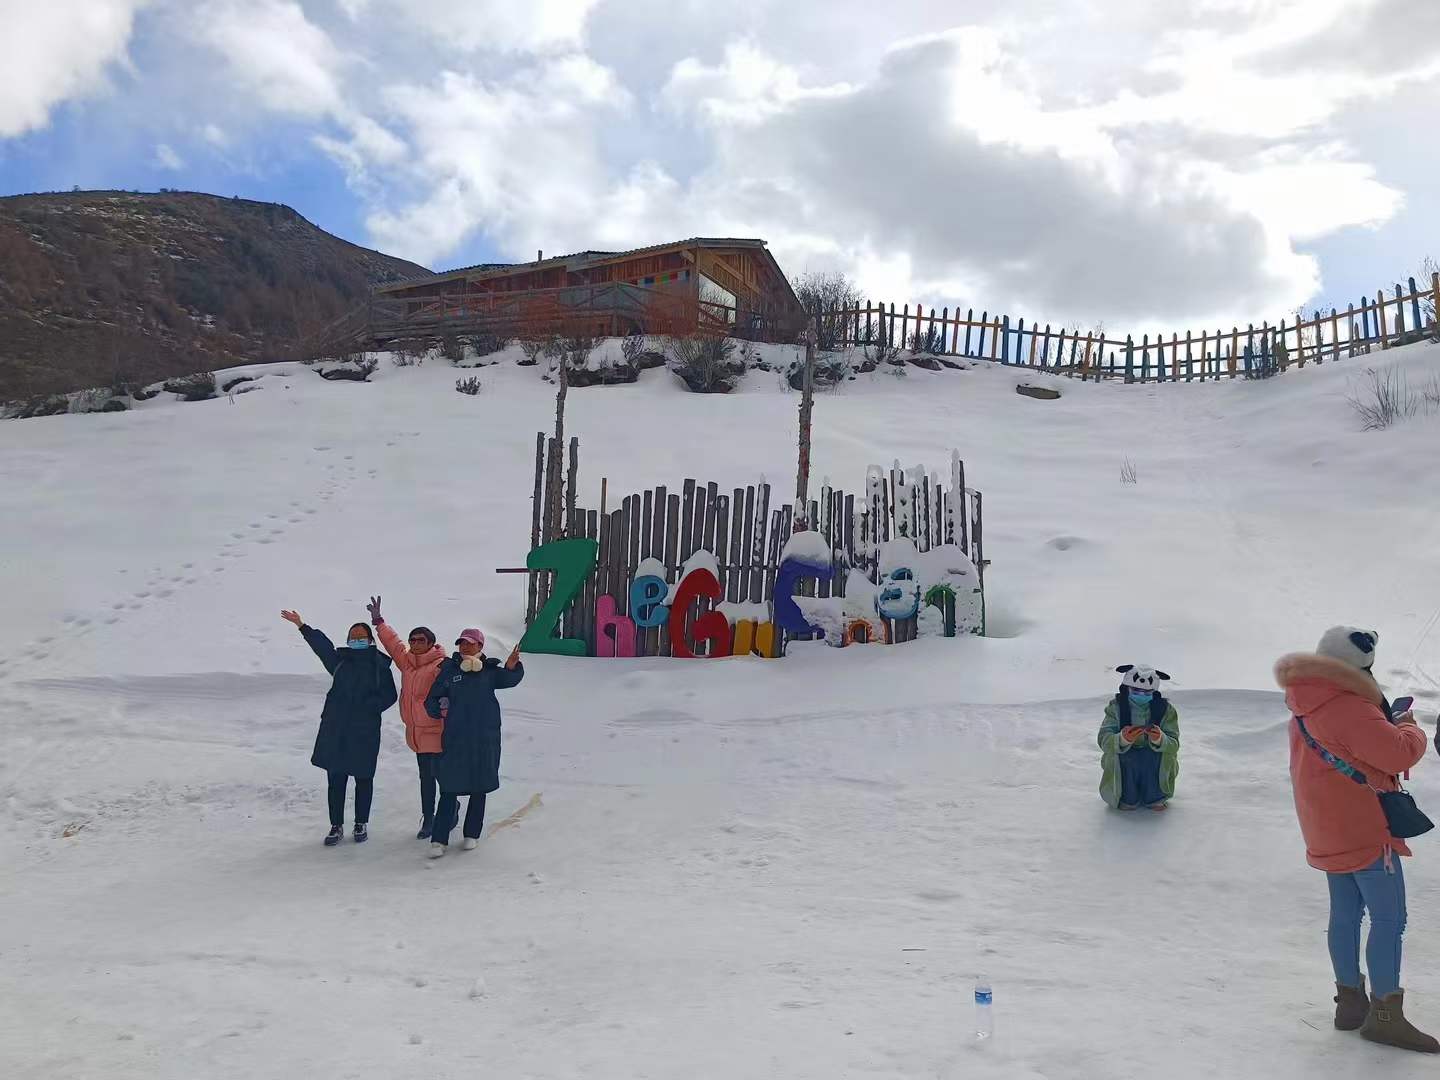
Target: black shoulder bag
[{"x": 1404, "y": 818}]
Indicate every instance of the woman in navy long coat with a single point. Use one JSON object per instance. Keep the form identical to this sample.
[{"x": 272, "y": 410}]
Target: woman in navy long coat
[
  {"x": 348, "y": 742},
  {"x": 464, "y": 694}
]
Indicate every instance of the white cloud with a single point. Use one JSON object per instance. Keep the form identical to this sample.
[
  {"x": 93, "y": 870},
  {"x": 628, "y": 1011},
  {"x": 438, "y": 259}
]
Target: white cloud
[
  {"x": 54, "y": 52},
  {"x": 275, "y": 53},
  {"x": 167, "y": 158},
  {"x": 498, "y": 26},
  {"x": 215, "y": 135},
  {"x": 520, "y": 159},
  {"x": 746, "y": 87}
]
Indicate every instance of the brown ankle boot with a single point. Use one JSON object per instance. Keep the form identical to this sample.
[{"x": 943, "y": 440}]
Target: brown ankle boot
[
  {"x": 1386, "y": 1024},
  {"x": 1352, "y": 1005}
]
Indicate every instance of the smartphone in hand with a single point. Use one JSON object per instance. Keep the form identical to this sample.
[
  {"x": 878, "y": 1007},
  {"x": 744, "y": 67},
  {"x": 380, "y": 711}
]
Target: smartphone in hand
[{"x": 1400, "y": 706}]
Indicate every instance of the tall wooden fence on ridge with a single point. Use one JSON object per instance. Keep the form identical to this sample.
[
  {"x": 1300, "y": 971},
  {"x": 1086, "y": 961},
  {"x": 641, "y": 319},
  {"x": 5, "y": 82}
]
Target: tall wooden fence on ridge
[{"x": 1250, "y": 352}]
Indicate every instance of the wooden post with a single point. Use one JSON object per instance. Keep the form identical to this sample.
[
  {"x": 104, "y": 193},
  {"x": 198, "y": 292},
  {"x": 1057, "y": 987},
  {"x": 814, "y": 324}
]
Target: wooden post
[
  {"x": 995, "y": 339},
  {"x": 1005, "y": 341},
  {"x": 1399, "y": 312},
  {"x": 944, "y": 326},
  {"x": 970, "y": 321},
  {"x": 1234, "y": 348},
  {"x": 1129, "y": 359},
  {"x": 1144, "y": 358},
  {"x": 1435, "y": 291},
  {"x": 537, "y": 501},
  {"x": 1189, "y": 360},
  {"x": 571, "y": 486},
  {"x": 1381, "y": 327},
  {"x": 807, "y": 404},
  {"x": 904, "y": 330}
]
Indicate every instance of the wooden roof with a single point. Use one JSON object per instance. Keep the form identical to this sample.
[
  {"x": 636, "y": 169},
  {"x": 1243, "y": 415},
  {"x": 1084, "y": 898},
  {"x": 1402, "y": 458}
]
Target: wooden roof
[{"x": 584, "y": 260}]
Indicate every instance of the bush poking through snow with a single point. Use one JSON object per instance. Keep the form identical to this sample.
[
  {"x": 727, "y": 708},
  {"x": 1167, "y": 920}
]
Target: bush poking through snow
[
  {"x": 95, "y": 400},
  {"x": 1432, "y": 393},
  {"x": 533, "y": 346},
  {"x": 401, "y": 359},
  {"x": 43, "y": 405},
  {"x": 469, "y": 386},
  {"x": 833, "y": 296},
  {"x": 451, "y": 347},
  {"x": 1382, "y": 399},
  {"x": 927, "y": 342},
  {"x": 633, "y": 347},
  {"x": 1128, "y": 473},
  {"x": 831, "y": 369},
  {"x": 704, "y": 363},
  {"x": 487, "y": 342},
  {"x": 197, "y": 387},
  {"x": 573, "y": 350}
]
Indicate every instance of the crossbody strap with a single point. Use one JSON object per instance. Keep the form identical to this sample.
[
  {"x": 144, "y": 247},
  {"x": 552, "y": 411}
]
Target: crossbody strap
[{"x": 1340, "y": 765}]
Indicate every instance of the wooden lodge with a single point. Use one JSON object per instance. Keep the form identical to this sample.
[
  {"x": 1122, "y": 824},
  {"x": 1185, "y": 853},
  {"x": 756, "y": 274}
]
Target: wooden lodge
[{"x": 728, "y": 286}]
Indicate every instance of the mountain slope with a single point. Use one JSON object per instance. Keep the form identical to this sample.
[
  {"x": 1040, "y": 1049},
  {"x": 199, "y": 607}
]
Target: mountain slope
[{"x": 105, "y": 286}]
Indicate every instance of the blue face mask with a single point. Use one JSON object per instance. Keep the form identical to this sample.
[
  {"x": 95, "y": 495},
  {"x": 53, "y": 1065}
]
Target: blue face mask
[
  {"x": 358, "y": 643},
  {"x": 1141, "y": 697}
]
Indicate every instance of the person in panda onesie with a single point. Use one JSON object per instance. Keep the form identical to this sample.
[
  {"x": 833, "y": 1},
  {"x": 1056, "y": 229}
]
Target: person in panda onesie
[{"x": 1139, "y": 743}]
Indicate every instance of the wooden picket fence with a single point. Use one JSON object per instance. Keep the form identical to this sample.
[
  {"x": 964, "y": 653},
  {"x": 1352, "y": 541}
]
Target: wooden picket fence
[
  {"x": 1251, "y": 352},
  {"x": 746, "y": 530}
]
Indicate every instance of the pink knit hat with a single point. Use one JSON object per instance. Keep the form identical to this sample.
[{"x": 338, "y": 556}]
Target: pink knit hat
[{"x": 471, "y": 635}]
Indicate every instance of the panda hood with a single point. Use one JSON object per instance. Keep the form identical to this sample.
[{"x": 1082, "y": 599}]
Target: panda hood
[{"x": 1141, "y": 677}]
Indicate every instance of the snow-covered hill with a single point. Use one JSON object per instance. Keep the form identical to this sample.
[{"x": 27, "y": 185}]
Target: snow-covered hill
[{"x": 740, "y": 868}]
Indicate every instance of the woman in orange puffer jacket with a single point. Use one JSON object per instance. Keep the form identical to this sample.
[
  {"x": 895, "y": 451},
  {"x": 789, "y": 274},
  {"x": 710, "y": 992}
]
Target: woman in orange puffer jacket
[
  {"x": 1337, "y": 704},
  {"x": 418, "y": 664}
]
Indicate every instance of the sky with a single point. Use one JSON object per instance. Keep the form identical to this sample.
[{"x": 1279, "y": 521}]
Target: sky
[{"x": 1138, "y": 164}]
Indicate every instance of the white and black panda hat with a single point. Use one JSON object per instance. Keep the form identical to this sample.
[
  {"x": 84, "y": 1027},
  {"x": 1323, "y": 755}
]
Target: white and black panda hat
[
  {"x": 1141, "y": 677},
  {"x": 1350, "y": 645}
]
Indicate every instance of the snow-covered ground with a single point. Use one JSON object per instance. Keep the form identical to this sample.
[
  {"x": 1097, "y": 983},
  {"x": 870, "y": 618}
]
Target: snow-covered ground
[{"x": 740, "y": 868}]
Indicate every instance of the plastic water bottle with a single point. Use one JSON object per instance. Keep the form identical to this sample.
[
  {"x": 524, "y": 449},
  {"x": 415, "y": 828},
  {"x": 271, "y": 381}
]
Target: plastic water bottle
[{"x": 984, "y": 1018}]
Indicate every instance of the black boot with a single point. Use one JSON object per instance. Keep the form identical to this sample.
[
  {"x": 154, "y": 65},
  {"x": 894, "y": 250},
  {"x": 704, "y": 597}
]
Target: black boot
[
  {"x": 362, "y": 832},
  {"x": 427, "y": 826},
  {"x": 333, "y": 837}
]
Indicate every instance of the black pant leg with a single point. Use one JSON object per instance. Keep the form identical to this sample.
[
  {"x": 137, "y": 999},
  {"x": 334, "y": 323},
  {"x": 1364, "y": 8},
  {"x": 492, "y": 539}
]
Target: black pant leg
[
  {"x": 474, "y": 816},
  {"x": 426, "y": 764},
  {"x": 364, "y": 792},
  {"x": 445, "y": 813},
  {"x": 336, "y": 794}
]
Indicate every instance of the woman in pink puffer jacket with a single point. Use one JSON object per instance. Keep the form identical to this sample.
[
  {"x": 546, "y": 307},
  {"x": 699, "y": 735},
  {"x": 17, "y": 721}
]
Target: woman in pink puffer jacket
[
  {"x": 418, "y": 664},
  {"x": 1338, "y": 705}
]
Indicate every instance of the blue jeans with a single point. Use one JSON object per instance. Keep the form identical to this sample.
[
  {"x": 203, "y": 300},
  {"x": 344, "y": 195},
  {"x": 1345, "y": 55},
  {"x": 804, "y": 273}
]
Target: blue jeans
[
  {"x": 1382, "y": 893},
  {"x": 1140, "y": 777}
]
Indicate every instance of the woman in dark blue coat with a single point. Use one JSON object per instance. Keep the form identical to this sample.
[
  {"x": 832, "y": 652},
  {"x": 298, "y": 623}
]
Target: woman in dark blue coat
[
  {"x": 464, "y": 694},
  {"x": 348, "y": 741}
]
